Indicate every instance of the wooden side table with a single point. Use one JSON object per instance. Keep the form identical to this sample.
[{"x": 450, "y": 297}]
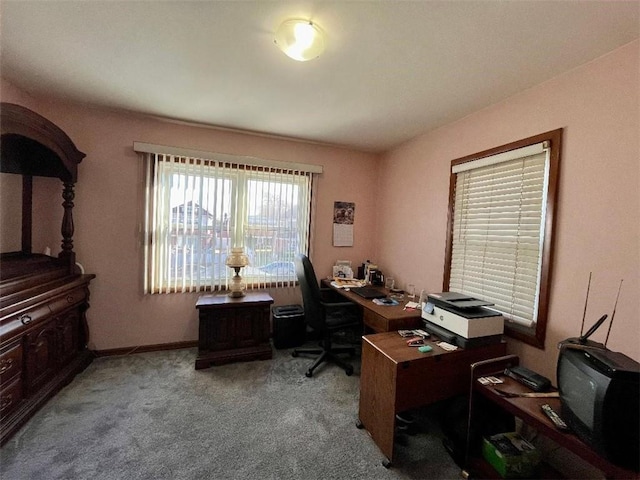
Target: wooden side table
[{"x": 233, "y": 329}]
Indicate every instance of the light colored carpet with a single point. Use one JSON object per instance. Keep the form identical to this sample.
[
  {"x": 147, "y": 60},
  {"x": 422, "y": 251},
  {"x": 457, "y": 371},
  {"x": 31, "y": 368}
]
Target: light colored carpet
[{"x": 153, "y": 416}]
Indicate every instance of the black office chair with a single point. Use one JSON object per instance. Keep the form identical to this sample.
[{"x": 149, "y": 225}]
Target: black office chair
[{"x": 325, "y": 317}]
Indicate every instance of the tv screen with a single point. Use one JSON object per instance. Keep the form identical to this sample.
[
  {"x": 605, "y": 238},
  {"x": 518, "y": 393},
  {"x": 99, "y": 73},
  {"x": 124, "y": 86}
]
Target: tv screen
[
  {"x": 600, "y": 401},
  {"x": 580, "y": 389}
]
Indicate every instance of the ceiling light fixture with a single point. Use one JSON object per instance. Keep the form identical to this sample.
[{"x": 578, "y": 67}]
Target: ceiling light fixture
[{"x": 300, "y": 39}]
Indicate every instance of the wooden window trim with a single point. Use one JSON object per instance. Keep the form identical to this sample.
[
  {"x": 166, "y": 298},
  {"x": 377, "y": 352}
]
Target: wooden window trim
[{"x": 536, "y": 334}]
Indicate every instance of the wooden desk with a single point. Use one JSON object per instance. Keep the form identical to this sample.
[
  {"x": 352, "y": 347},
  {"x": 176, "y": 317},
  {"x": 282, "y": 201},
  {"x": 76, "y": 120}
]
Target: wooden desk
[
  {"x": 528, "y": 409},
  {"x": 233, "y": 329},
  {"x": 395, "y": 378},
  {"x": 381, "y": 318}
]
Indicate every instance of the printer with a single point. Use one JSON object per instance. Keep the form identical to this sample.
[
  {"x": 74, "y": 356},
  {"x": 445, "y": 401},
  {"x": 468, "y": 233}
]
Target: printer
[{"x": 462, "y": 320}]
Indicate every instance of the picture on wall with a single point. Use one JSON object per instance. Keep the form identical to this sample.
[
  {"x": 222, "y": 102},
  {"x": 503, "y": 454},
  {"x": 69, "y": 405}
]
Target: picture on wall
[{"x": 343, "y": 219}]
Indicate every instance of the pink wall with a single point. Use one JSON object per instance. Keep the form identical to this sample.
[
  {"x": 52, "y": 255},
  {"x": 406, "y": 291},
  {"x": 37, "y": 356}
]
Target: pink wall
[
  {"x": 597, "y": 225},
  {"x": 108, "y": 212},
  {"x": 598, "y": 222}
]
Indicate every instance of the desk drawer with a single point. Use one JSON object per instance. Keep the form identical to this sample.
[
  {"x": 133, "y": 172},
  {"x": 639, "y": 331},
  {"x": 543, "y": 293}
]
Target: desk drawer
[
  {"x": 379, "y": 324},
  {"x": 375, "y": 322}
]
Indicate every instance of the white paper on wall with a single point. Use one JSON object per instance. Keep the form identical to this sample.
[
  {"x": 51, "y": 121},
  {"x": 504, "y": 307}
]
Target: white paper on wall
[{"x": 343, "y": 218}]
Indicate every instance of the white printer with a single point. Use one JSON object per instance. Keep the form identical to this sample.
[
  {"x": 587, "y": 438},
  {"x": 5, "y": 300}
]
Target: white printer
[{"x": 462, "y": 320}]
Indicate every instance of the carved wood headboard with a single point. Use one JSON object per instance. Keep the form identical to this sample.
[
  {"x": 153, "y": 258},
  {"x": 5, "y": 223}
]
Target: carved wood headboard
[{"x": 31, "y": 145}]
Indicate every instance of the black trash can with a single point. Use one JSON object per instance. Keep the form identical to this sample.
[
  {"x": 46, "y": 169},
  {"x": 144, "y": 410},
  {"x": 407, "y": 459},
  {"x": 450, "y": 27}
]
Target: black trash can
[{"x": 289, "y": 328}]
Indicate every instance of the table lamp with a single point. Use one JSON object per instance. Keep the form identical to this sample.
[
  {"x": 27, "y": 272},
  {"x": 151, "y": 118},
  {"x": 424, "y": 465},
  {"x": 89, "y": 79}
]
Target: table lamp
[{"x": 236, "y": 260}]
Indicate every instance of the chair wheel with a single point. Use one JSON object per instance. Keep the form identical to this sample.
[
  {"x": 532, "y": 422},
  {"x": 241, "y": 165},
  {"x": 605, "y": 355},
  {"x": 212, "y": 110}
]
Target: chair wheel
[
  {"x": 386, "y": 463},
  {"x": 294, "y": 354},
  {"x": 308, "y": 374},
  {"x": 359, "y": 424},
  {"x": 349, "y": 371}
]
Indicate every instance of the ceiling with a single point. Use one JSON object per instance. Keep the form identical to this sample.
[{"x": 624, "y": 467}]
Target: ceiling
[{"x": 391, "y": 70}]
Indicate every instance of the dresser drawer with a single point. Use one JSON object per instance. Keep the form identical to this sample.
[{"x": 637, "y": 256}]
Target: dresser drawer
[
  {"x": 68, "y": 299},
  {"x": 10, "y": 362},
  {"x": 17, "y": 322},
  {"x": 10, "y": 396}
]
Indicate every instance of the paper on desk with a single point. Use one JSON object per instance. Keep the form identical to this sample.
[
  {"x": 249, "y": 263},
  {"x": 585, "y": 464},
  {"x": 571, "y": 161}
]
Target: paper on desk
[
  {"x": 411, "y": 305},
  {"x": 347, "y": 283}
]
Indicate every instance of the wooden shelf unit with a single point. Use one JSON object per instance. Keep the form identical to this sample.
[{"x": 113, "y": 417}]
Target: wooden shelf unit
[{"x": 529, "y": 411}]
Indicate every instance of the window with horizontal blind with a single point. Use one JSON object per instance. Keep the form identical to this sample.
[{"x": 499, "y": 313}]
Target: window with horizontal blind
[
  {"x": 500, "y": 230},
  {"x": 198, "y": 208}
]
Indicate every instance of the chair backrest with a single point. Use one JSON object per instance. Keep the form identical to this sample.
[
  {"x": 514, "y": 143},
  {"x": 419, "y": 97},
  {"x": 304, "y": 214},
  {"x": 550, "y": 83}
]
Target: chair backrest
[{"x": 313, "y": 310}]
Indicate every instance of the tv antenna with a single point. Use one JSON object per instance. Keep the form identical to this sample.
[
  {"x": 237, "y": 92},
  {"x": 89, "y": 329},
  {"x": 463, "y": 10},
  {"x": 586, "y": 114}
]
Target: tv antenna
[
  {"x": 586, "y": 301},
  {"x": 583, "y": 338},
  {"x": 613, "y": 314}
]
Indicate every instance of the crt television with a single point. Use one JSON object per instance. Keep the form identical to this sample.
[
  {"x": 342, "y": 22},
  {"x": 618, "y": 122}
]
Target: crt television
[{"x": 600, "y": 399}]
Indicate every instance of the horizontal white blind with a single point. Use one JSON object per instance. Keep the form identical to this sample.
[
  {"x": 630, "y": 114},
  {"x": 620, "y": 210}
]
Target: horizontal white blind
[
  {"x": 497, "y": 232},
  {"x": 514, "y": 154},
  {"x": 198, "y": 209}
]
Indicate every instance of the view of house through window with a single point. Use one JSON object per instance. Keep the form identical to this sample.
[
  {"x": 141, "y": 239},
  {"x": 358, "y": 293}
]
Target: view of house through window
[{"x": 198, "y": 209}]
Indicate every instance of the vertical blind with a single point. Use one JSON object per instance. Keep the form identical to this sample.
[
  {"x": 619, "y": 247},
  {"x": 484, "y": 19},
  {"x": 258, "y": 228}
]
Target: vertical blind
[
  {"x": 197, "y": 209},
  {"x": 498, "y": 230}
]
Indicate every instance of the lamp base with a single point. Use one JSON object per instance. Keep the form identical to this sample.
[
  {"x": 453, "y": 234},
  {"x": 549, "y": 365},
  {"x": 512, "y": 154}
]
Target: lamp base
[{"x": 237, "y": 286}]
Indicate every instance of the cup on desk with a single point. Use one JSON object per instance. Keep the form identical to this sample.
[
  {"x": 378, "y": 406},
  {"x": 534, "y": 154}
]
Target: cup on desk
[{"x": 411, "y": 291}]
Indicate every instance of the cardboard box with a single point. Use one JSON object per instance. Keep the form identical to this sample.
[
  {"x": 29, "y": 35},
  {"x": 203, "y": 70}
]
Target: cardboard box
[{"x": 511, "y": 455}]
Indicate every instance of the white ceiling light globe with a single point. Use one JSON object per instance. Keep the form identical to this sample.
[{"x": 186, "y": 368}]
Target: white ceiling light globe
[{"x": 299, "y": 39}]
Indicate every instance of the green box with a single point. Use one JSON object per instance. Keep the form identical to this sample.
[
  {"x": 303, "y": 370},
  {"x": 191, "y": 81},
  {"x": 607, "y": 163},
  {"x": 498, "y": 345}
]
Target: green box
[{"x": 511, "y": 455}]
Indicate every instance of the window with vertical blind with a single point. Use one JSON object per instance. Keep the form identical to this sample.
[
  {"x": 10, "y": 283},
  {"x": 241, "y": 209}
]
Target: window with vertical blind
[
  {"x": 199, "y": 205},
  {"x": 500, "y": 229}
]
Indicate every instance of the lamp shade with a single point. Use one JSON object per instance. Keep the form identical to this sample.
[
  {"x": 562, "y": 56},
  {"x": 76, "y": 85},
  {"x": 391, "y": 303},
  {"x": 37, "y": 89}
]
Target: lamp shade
[
  {"x": 300, "y": 39},
  {"x": 237, "y": 258}
]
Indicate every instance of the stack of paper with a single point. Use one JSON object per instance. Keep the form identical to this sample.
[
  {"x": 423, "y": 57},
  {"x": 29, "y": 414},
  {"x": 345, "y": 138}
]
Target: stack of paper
[{"x": 347, "y": 283}]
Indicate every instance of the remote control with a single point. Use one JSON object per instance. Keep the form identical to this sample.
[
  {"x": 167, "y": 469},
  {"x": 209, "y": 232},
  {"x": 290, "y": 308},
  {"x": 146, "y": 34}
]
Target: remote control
[{"x": 554, "y": 417}]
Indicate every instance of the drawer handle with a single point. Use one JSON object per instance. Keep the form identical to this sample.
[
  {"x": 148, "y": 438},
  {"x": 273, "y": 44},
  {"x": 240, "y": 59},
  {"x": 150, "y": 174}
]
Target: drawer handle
[
  {"x": 5, "y": 364},
  {"x": 6, "y": 401},
  {"x": 69, "y": 298},
  {"x": 25, "y": 319}
]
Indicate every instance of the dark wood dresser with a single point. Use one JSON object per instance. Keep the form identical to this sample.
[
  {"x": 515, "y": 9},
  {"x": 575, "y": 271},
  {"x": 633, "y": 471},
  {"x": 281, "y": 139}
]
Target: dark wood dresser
[
  {"x": 43, "y": 299},
  {"x": 233, "y": 329}
]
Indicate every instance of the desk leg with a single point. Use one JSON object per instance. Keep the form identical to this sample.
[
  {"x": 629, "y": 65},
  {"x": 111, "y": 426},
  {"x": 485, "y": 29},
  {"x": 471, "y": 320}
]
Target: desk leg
[{"x": 378, "y": 398}]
